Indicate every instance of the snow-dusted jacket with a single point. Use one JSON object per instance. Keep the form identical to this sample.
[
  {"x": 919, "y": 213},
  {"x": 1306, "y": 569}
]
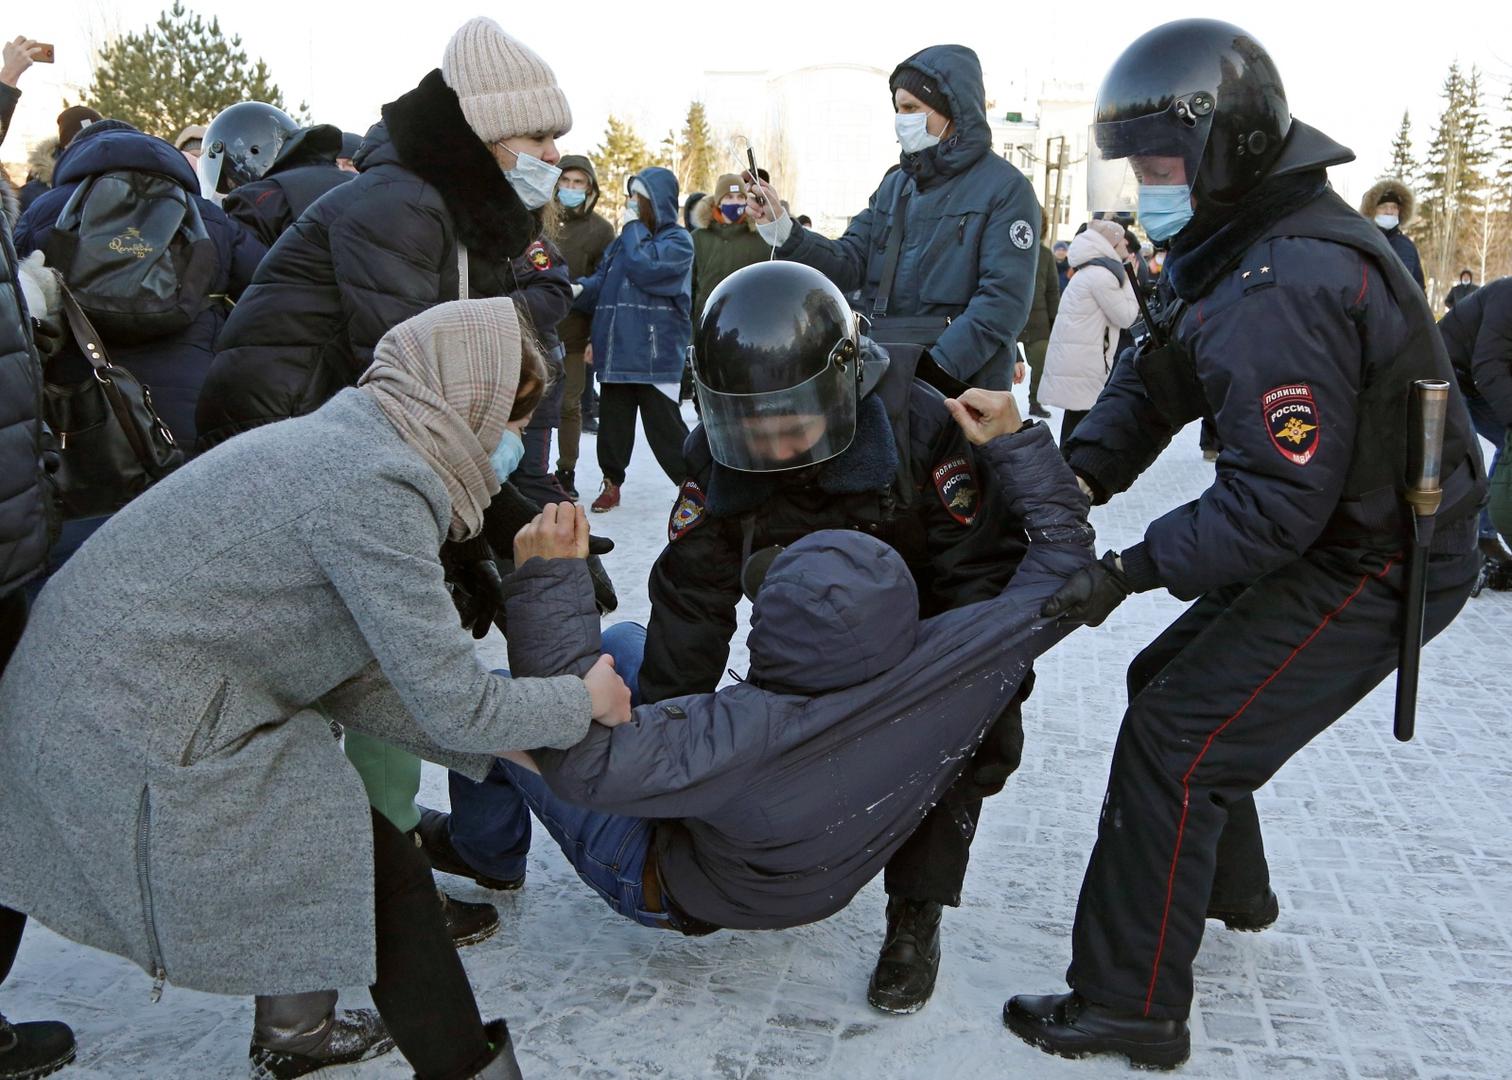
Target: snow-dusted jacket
[
  {"x": 169, "y": 788},
  {"x": 778, "y": 798},
  {"x": 1084, "y": 340},
  {"x": 641, "y": 295}
]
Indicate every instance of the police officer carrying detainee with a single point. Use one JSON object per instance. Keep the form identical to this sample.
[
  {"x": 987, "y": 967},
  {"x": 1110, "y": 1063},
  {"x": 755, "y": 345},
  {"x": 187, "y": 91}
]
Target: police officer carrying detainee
[{"x": 1292, "y": 327}]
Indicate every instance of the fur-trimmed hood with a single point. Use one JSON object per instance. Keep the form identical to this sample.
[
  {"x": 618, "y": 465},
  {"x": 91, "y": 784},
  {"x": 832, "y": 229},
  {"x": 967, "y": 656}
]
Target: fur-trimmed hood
[
  {"x": 42, "y": 160},
  {"x": 703, "y": 214},
  {"x": 1404, "y": 195},
  {"x": 426, "y": 133}
]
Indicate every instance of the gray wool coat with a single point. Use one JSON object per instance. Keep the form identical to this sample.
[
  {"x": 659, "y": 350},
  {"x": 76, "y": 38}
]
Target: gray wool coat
[{"x": 169, "y": 787}]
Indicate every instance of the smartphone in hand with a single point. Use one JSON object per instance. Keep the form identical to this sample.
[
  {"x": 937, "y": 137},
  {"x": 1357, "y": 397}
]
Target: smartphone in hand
[{"x": 46, "y": 54}]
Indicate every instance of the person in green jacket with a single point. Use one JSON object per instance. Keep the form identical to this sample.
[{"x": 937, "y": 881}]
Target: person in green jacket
[
  {"x": 724, "y": 239},
  {"x": 1042, "y": 311}
]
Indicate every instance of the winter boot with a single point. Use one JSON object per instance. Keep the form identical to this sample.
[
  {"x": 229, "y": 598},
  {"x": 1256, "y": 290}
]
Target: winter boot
[
  {"x": 1073, "y": 1027},
  {"x": 910, "y": 958},
  {"x": 435, "y": 838},
  {"x": 608, "y": 498},
  {"x": 35, "y": 1049},
  {"x": 466, "y": 922},
  {"x": 1038, "y": 411},
  {"x": 502, "y": 1066},
  {"x": 297, "y": 1034},
  {"x": 1250, "y": 916},
  {"x": 568, "y": 479}
]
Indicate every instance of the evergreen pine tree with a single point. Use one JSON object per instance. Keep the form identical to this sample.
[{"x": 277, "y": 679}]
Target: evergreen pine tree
[
  {"x": 180, "y": 71},
  {"x": 620, "y": 156},
  {"x": 696, "y": 154},
  {"x": 1402, "y": 165},
  {"x": 1443, "y": 181}
]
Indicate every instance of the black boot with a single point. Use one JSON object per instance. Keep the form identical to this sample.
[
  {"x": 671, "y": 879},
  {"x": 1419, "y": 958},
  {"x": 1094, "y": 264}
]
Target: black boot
[
  {"x": 35, "y": 1049},
  {"x": 297, "y": 1034},
  {"x": 568, "y": 479},
  {"x": 1251, "y": 916},
  {"x": 910, "y": 958},
  {"x": 1073, "y": 1027},
  {"x": 466, "y": 922},
  {"x": 1038, "y": 410},
  {"x": 435, "y": 838},
  {"x": 502, "y": 1066}
]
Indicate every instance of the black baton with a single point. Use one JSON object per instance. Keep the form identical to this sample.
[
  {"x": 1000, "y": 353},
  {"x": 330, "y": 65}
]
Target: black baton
[{"x": 1430, "y": 403}]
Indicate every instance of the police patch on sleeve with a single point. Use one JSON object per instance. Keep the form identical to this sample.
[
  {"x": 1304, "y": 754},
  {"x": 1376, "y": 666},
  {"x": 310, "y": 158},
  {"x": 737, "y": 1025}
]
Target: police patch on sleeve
[
  {"x": 957, "y": 486},
  {"x": 687, "y": 513},
  {"x": 1022, "y": 234},
  {"x": 1292, "y": 421},
  {"x": 539, "y": 257}
]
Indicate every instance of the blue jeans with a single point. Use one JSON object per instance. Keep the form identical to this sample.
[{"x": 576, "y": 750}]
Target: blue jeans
[
  {"x": 1488, "y": 427},
  {"x": 490, "y": 824}
]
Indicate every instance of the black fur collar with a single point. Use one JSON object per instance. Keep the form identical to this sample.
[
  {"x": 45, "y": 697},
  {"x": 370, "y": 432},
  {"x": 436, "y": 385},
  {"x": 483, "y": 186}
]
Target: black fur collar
[
  {"x": 1205, "y": 252},
  {"x": 870, "y": 463},
  {"x": 432, "y": 139}
]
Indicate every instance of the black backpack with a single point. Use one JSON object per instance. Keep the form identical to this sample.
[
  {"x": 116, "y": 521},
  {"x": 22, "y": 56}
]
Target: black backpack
[{"x": 134, "y": 251}]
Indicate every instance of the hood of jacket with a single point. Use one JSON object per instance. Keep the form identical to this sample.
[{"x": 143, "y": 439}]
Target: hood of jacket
[
  {"x": 318, "y": 145},
  {"x": 114, "y": 144},
  {"x": 1088, "y": 246},
  {"x": 836, "y": 609},
  {"x": 582, "y": 164},
  {"x": 662, "y": 184},
  {"x": 1407, "y": 200},
  {"x": 958, "y": 73},
  {"x": 425, "y": 132},
  {"x": 704, "y": 217},
  {"x": 42, "y": 160}
]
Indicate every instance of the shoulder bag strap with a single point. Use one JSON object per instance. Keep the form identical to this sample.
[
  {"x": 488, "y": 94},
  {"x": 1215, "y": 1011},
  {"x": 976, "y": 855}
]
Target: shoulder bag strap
[
  {"x": 894, "y": 249},
  {"x": 87, "y": 338}
]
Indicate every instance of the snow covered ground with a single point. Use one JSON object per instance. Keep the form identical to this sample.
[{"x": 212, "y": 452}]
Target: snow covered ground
[{"x": 1392, "y": 959}]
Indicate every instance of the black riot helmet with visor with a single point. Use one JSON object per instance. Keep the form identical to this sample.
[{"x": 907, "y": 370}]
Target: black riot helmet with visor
[
  {"x": 1196, "y": 102},
  {"x": 779, "y": 368},
  {"x": 240, "y": 146}
]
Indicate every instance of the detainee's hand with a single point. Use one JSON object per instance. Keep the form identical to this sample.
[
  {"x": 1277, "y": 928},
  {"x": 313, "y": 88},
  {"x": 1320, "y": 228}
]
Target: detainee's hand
[
  {"x": 611, "y": 697},
  {"x": 559, "y": 531},
  {"x": 754, "y": 209},
  {"x": 985, "y": 414},
  {"x": 18, "y": 55}
]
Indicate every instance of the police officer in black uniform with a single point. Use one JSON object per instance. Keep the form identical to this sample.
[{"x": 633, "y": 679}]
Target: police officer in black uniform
[
  {"x": 806, "y": 426},
  {"x": 1290, "y": 325}
]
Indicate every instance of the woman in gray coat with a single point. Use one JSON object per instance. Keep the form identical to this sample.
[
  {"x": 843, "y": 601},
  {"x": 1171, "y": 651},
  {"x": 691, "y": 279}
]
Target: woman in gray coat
[{"x": 169, "y": 787}]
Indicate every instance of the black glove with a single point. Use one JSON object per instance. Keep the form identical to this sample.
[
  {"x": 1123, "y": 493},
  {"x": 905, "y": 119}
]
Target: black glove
[
  {"x": 511, "y": 510},
  {"x": 1090, "y": 595},
  {"x": 685, "y": 389},
  {"x": 476, "y": 583},
  {"x": 603, "y": 588},
  {"x": 49, "y": 337}
]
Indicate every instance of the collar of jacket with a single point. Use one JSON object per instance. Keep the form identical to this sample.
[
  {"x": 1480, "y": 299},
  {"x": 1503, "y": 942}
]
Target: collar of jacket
[
  {"x": 869, "y": 463},
  {"x": 432, "y": 139},
  {"x": 1205, "y": 251}
]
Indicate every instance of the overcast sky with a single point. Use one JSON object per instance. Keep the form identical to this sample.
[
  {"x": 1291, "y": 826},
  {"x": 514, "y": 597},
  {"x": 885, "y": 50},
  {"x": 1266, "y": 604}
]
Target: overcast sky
[{"x": 1348, "y": 69}]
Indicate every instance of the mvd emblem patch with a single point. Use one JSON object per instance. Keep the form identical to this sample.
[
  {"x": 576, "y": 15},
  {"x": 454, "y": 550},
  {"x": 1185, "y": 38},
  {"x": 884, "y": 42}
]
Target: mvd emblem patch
[
  {"x": 688, "y": 512},
  {"x": 539, "y": 257},
  {"x": 957, "y": 486},
  {"x": 1292, "y": 421}
]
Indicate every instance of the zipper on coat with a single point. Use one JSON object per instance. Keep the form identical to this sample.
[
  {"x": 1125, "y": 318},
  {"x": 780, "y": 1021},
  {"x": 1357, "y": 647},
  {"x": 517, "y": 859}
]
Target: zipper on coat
[
  {"x": 961, "y": 232},
  {"x": 144, "y": 822}
]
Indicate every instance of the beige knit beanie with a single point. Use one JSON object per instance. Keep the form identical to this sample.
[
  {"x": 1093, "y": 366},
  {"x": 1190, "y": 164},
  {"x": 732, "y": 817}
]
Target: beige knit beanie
[{"x": 504, "y": 87}]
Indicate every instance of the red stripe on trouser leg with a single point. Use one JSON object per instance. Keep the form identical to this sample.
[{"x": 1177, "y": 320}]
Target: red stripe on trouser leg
[{"x": 1186, "y": 793}]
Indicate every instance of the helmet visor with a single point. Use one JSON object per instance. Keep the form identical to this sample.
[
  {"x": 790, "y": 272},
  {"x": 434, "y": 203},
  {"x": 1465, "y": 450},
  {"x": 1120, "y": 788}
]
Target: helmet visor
[
  {"x": 208, "y": 168},
  {"x": 1156, "y": 150},
  {"x": 781, "y": 429}
]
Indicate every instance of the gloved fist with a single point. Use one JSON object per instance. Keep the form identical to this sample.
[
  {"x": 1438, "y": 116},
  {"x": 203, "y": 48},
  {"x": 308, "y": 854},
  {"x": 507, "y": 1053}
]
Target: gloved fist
[
  {"x": 1090, "y": 595},
  {"x": 48, "y": 335},
  {"x": 476, "y": 583}
]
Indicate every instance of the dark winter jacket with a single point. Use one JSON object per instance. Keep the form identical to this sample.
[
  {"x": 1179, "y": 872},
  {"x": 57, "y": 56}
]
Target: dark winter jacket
[
  {"x": 641, "y": 295},
  {"x": 24, "y": 488},
  {"x": 780, "y": 797},
  {"x": 970, "y": 238},
  {"x": 174, "y": 368},
  {"x": 1477, "y": 334},
  {"x": 1301, "y": 349},
  {"x": 583, "y": 235},
  {"x": 9, "y": 95},
  {"x": 370, "y": 254},
  {"x": 1458, "y": 293},
  {"x": 1407, "y": 251},
  {"x": 1046, "y": 302},
  {"x": 719, "y": 249},
  {"x": 911, "y": 479},
  {"x": 1400, "y": 243},
  {"x": 304, "y": 170}
]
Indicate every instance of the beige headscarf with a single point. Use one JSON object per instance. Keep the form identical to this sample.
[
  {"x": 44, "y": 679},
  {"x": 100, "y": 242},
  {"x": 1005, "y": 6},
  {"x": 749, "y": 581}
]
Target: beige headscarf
[{"x": 446, "y": 380}]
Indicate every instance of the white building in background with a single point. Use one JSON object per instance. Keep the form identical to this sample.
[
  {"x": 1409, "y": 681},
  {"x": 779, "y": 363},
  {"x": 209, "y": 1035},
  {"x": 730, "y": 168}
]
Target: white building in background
[{"x": 825, "y": 133}]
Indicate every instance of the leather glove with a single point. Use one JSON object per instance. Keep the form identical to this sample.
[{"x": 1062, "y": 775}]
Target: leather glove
[
  {"x": 603, "y": 588},
  {"x": 510, "y": 511},
  {"x": 685, "y": 390},
  {"x": 49, "y": 336},
  {"x": 477, "y": 584},
  {"x": 1090, "y": 595}
]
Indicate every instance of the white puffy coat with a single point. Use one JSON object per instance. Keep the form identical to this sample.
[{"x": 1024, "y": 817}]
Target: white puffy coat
[{"x": 1084, "y": 339}]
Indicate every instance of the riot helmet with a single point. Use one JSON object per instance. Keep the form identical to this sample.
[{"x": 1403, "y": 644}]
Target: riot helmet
[
  {"x": 1194, "y": 102},
  {"x": 240, "y": 145},
  {"x": 778, "y": 368}
]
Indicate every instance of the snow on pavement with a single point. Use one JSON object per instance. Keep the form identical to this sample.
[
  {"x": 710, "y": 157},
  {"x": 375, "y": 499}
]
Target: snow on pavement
[{"x": 1392, "y": 958}]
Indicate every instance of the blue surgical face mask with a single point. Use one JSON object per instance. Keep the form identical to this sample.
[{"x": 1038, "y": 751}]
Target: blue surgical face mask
[
  {"x": 732, "y": 211},
  {"x": 1164, "y": 209},
  {"x": 571, "y": 198},
  {"x": 506, "y": 459},
  {"x": 532, "y": 179}
]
